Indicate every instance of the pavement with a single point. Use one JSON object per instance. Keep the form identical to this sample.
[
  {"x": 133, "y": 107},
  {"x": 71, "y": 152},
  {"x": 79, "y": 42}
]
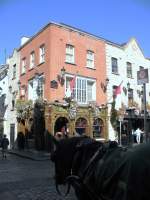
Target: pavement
[{"x": 31, "y": 154}]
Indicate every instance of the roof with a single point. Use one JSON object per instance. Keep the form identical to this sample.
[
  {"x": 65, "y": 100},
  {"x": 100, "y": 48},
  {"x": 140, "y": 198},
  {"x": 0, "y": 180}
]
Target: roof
[{"x": 65, "y": 26}]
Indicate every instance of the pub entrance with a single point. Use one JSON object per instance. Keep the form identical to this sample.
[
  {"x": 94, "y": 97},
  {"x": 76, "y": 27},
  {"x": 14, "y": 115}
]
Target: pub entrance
[{"x": 61, "y": 124}]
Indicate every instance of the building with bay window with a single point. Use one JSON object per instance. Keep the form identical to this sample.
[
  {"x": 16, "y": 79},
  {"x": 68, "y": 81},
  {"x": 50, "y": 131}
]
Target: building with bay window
[{"x": 49, "y": 61}]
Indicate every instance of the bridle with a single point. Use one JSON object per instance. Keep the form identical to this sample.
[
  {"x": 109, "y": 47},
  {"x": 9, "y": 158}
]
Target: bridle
[{"x": 78, "y": 181}]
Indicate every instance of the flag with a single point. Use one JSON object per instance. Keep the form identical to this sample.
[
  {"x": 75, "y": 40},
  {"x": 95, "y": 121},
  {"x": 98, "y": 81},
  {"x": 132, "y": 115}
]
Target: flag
[
  {"x": 118, "y": 97},
  {"x": 71, "y": 87}
]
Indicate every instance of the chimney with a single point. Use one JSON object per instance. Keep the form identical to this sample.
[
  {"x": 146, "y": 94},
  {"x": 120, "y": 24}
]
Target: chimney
[{"x": 24, "y": 40}]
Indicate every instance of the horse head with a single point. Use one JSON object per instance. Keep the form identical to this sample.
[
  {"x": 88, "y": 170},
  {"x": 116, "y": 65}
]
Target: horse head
[
  {"x": 70, "y": 159},
  {"x": 62, "y": 156}
]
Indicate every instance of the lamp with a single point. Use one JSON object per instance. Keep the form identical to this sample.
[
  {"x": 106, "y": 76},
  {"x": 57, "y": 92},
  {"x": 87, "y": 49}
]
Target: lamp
[
  {"x": 19, "y": 84},
  {"x": 1, "y": 91},
  {"x": 104, "y": 85},
  {"x": 36, "y": 75},
  {"x": 128, "y": 86},
  {"x": 10, "y": 88},
  {"x": 61, "y": 76}
]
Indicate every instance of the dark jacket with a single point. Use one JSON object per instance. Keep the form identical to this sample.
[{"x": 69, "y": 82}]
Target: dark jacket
[{"x": 4, "y": 143}]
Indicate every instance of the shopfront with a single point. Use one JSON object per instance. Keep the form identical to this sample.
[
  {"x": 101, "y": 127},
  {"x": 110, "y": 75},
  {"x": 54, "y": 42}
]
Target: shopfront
[{"x": 76, "y": 120}]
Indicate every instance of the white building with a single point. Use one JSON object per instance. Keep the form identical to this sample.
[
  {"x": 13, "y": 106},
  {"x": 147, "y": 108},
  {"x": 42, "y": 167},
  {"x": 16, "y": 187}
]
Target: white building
[
  {"x": 3, "y": 98},
  {"x": 123, "y": 62},
  {"x": 12, "y": 95}
]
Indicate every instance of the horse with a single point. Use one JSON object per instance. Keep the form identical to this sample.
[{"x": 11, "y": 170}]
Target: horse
[{"x": 102, "y": 171}]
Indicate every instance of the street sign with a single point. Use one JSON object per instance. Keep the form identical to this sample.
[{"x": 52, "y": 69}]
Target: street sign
[{"x": 142, "y": 76}]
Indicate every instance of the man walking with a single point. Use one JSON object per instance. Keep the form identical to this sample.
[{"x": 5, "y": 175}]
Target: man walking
[{"x": 4, "y": 145}]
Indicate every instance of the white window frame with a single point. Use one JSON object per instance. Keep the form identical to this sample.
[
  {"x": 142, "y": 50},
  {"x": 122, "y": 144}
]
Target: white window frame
[
  {"x": 70, "y": 53},
  {"x": 32, "y": 59},
  {"x": 80, "y": 92},
  {"x": 40, "y": 85},
  {"x": 90, "y": 59},
  {"x": 114, "y": 67},
  {"x": 23, "y": 66},
  {"x": 42, "y": 54}
]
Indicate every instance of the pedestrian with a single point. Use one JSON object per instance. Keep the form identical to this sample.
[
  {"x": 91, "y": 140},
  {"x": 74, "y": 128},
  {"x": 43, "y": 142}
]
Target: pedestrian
[
  {"x": 4, "y": 145},
  {"x": 138, "y": 133}
]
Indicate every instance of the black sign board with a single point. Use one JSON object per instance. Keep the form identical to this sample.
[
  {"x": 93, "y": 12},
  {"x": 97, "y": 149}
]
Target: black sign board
[
  {"x": 54, "y": 84},
  {"x": 142, "y": 76}
]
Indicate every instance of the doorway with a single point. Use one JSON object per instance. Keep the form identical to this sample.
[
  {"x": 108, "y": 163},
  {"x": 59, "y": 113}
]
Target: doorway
[
  {"x": 12, "y": 135},
  {"x": 61, "y": 123}
]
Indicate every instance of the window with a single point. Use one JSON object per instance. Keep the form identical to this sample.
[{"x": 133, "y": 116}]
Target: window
[
  {"x": 130, "y": 95},
  {"x": 32, "y": 60},
  {"x": 98, "y": 128},
  {"x": 30, "y": 90},
  {"x": 42, "y": 54},
  {"x": 90, "y": 59},
  {"x": 40, "y": 86},
  {"x": 129, "y": 70},
  {"x": 69, "y": 53},
  {"x": 114, "y": 63},
  {"x": 89, "y": 90},
  {"x": 23, "y": 69},
  {"x": 81, "y": 126},
  {"x": 14, "y": 71},
  {"x": 84, "y": 89}
]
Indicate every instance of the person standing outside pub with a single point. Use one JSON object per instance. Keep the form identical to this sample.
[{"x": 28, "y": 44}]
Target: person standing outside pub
[
  {"x": 138, "y": 134},
  {"x": 4, "y": 145}
]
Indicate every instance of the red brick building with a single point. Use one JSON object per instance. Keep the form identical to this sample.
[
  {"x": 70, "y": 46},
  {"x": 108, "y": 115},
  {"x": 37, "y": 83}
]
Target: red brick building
[{"x": 57, "y": 49}]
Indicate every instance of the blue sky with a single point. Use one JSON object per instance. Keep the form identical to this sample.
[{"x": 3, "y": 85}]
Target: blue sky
[{"x": 114, "y": 20}]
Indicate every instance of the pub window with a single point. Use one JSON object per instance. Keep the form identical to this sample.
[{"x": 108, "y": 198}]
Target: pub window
[
  {"x": 98, "y": 128},
  {"x": 81, "y": 126}
]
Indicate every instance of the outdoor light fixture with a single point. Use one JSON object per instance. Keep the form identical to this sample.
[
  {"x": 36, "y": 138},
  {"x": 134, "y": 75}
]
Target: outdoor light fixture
[
  {"x": 10, "y": 88},
  {"x": 1, "y": 91},
  {"x": 128, "y": 86},
  {"x": 19, "y": 84},
  {"x": 36, "y": 75},
  {"x": 61, "y": 76},
  {"x": 104, "y": 85}
]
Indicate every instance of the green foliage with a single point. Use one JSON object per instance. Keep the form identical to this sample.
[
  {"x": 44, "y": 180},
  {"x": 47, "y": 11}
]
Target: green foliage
[{"x": 23, "y": 108}]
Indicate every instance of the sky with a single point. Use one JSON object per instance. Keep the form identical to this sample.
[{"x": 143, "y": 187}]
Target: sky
[{"x": 114, "y": 20}]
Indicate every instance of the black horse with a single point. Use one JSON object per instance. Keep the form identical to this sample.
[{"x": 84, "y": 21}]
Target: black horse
[{"x": 102, "y": 171}]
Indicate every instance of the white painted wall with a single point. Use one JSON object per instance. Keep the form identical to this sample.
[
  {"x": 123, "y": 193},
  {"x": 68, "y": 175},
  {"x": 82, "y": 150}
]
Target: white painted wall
[
  {"x": 132, "y": 53},
  {"x": 11, "y": 114}
]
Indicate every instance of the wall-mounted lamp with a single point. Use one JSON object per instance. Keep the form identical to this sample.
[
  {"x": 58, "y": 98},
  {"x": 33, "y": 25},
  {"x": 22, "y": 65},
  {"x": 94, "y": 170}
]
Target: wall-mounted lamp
[
  {"x": 36, "y": 75},
  {"x": 128, "y": 86},
  {"x": 61, "y": 76},
  {"x": 10, "y": 88},
  {"x": 104, "y": 85},
  {"x": 19, "y": 84},
  {"x": 1, "y": 91}
]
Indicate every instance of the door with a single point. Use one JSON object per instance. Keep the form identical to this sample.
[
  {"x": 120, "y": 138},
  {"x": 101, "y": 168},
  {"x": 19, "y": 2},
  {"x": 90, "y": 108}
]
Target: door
[{"x": 12, "y": 135}]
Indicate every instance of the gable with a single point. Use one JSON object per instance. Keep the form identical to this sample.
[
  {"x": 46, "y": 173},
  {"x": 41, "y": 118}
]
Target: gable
[{"x": 132, "y": 48}]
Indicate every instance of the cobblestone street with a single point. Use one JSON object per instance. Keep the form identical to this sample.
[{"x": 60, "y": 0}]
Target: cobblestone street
[{"x": 25, "y": 179}]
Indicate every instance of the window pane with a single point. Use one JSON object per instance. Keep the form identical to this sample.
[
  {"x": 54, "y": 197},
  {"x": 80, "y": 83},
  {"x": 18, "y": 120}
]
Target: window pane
[{"x": 114, "y": 65}]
